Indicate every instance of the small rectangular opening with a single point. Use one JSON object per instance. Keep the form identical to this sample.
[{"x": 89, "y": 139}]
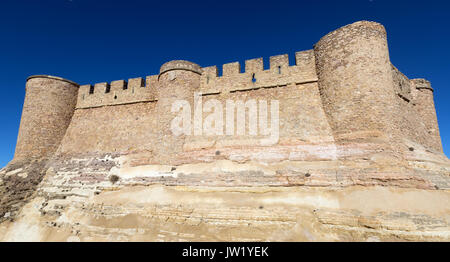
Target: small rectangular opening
[
  {"x": 292, "y": 61},
  {"x": 241, "y": 66},
  {"x": 91, "y": 89},
  {"x": 108, "y": 88},
  {"x": 266, "y": 64},
  {"x": 125, "y": 85}
]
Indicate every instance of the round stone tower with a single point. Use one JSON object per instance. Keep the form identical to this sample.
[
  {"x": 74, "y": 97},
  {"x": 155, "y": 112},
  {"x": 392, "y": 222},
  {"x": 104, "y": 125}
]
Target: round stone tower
[
  {"x": 424, "y": 103},
  {"x": 177, "y": 80},
  {"x": 355, "y": 81},
  {"x": 47, "y": 110}
]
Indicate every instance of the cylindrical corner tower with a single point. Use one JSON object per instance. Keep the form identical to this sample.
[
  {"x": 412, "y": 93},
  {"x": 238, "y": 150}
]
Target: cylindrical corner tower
[
  {"x": 424, "y": 103},
  {"x": 177, "y": 80},
  {"x": 47, "y": 110},
  {"x": 355, "y": 81}
]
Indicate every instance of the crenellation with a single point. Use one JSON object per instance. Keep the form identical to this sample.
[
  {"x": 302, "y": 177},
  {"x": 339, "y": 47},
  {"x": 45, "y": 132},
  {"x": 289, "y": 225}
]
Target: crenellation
[
  {"x": 208, "y": 80},
  {"x": 101, "y": 88},
  {"x": 84, "y": 90},
  {"x": 137, "y": 82},
  {"x": 209, "y": 75},
  {"x": 305, "y": 59},
  {"x": 210, "y": 71},
  {"x": 118, "y": 92},
  {"x": 279, "y": 63},
  {"x": 151, "y": 82},
  {"x": 231, "y": 69},
  {"x": 279, "y": 74},
  {"x": 118, "y": 85},
  {"x": 254, "y": 65}
]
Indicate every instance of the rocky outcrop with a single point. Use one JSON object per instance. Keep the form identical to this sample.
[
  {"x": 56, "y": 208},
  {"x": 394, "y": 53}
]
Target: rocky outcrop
[{"x": 218, "y": 198}]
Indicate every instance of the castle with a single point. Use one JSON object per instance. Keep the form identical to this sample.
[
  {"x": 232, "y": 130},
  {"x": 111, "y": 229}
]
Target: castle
[
  {"x": 345, "y": 89},
  {"x": 358, "y": 155}
]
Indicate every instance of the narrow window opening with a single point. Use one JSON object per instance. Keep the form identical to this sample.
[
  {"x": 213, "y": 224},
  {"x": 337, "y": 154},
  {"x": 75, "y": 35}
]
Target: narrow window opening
[
  {"x": 253, "y": 78},
  {"x": 91, "y": 89},
  {"x": 207, "y": 79},
  {"x": 108, "y": 88},
  {"x": 125, "y": 85},
  {"x": 279, "y": 69}
]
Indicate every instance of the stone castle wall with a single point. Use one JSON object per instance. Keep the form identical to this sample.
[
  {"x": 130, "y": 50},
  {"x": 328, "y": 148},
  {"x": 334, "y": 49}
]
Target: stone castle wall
[
  {"x": 355, "y": 81},
  {"x": 342, "y": 91},
  {"x": 424, "y": 104},
  {"x": 47, "y": 112}
]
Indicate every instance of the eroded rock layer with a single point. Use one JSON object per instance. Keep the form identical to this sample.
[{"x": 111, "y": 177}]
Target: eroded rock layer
[{"x": 211, "y": 197}]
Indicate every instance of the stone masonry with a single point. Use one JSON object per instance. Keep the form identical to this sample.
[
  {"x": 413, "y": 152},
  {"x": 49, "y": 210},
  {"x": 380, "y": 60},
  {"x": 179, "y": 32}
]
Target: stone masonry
[{"x": 346, "y": 87}]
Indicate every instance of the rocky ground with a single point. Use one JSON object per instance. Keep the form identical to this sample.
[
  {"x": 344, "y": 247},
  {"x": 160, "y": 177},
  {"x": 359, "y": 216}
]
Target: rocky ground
[{"x": 210, "y": 196}]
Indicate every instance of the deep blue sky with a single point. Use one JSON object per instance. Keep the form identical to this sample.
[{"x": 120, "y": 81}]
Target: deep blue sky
[{"x": 96, "y": 41}]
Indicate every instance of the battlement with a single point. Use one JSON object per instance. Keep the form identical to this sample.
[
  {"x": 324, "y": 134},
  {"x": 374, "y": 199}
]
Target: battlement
[
  {"x": 137, "y": 90},
  {"x": 279, "y": 74},
  {"x": 118, "y": 92}
]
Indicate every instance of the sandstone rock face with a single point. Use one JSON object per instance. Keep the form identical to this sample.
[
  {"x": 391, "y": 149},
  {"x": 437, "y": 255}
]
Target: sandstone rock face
[
  {"x": 358, "y": 157},
  {"x": 117, "y": 198}
]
